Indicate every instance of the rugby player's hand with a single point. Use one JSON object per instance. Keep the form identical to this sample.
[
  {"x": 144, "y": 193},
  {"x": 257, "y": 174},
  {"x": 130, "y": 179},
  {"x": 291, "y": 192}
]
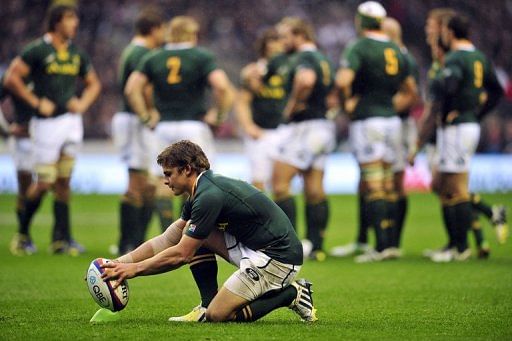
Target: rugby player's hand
[
  {"x": 75, "y": 105},
  {"x": 253, "y": 131},
  {"x": 452, "y": 115},
  {"x": 350, "y": 104},
  {"x": 154, "y": 118},
  {"x": 46, "y": 107},
  {"x": 18, "y": 130},
  {"x": 118, "y": 272},
  {"x": 412, "y": 155}
]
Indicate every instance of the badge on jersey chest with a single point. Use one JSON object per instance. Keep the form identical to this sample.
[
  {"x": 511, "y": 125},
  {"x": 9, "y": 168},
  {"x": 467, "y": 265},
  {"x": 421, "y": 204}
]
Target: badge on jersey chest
[{"x": 222, "y": 226}]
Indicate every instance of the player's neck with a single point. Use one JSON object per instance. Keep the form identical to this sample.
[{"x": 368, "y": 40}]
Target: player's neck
[
  {"x": 144, "y": 41},
  {"x": 307, "y": 46},
  {"x": 462, "y": 44},
  {"x": 57, "y": 40},
  {"x": 375, "y": 34}
]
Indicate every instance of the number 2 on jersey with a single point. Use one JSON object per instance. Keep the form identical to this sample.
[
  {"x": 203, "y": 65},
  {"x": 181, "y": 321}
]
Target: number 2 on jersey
[
  {"x": 174, "y": 66},
  {"x": 391, "y": 61}
]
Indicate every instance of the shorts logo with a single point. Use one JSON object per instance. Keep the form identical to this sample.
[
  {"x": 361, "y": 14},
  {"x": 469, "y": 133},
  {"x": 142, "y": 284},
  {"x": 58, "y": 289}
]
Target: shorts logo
[
  {"x": 252, "y": 273},
  {"x": 191, "y": 228}
]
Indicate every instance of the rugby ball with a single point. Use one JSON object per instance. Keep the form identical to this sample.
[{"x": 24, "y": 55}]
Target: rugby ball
[{"x": 101, "y": 291}]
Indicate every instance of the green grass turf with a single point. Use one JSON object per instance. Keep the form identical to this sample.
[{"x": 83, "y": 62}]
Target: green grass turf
[{"x": 45, "y": 297}]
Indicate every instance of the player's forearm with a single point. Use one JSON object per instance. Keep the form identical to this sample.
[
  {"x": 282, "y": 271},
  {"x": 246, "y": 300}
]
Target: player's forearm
[
  {"x": 167, "y": 260},
  {"x": 243, "y": 111},
  {"x": 138, "y": 104},
  {"x": 90, "y": 94},
  {"x": 428, "y": 124},
  {"x": 224, "y": 98}
]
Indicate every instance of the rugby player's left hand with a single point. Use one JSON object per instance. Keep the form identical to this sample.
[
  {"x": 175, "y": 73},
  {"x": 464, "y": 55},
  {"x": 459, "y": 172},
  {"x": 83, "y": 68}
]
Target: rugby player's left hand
[
  {"x": 75, "y": 105},
  {"x": 118, "y": 272}
]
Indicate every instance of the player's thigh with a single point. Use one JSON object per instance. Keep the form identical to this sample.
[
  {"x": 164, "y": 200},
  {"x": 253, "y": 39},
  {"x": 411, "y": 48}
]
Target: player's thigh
[
  {"x": 218, "y": 242},
  {"x": 257, "y": 273}
]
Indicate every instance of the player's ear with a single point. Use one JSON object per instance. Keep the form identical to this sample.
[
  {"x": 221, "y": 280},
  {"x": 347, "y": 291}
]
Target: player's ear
[{"x": 188, "y": 170}]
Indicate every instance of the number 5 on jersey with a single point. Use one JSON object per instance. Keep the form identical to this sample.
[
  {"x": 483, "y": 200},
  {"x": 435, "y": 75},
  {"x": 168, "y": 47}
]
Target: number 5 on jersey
[
  {"x": 174, "y": 66},
  {"x": 391, "y": 61}
]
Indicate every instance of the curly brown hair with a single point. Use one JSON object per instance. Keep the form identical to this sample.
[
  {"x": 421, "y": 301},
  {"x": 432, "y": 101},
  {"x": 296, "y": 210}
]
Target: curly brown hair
[{"x": 183, "y": 153}]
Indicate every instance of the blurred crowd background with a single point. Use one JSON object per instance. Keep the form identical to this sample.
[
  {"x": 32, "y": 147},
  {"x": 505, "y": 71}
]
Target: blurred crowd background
[{"x": 230, "y": 27}]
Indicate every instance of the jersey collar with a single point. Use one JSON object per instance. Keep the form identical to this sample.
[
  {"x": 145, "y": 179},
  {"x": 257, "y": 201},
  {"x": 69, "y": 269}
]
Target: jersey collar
[
  {"x": 376, "y": 36},
  {"x": 178, "y": 46},
  {"x": 307, "y": 47},
  {"x": 194, "y": 188}
]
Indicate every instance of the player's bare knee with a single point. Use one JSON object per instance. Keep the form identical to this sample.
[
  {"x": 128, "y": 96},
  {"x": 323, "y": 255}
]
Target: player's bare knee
[{"x": 215, "y": 316}]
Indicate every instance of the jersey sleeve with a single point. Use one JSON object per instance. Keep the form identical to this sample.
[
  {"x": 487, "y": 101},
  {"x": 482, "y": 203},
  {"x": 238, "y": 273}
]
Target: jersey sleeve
[
  {"x": 85, "y": 65},
  {"x": 204, "y": 213},
  {"x": 144, "y": 65},
  {"x": 30, "y": 56},
  {"x": 208, "y": 63},
  {"x": 350, "y": 58}
]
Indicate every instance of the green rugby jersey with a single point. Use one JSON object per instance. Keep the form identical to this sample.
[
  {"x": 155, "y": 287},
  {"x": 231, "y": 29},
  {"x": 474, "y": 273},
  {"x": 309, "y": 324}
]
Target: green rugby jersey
[
  {"x": 246, "y": 213},
  {"x": 316, "y": 107},
  {"x": 53, "y": 72},
  {"x": 380, "y": 68},
  {"x": 474, "y": 74},
  {"x": 179, "y": 73},
  {"x": 268, "y": 103},
  {"x": 130, "y": 58}
]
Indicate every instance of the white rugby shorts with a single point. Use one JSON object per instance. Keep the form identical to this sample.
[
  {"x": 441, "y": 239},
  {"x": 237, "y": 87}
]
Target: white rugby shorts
[
  {"x": 457, "y": 144},
  {"x": 135, "y": 140},
  {"x": 257, "y": 273},
  {"x": 54, "y": 136},
  {"x": 306, "y": 144},
  {"x": 375, "y": 139},
  {"x": 260, "y": 153},
  {"x": 21, "y": 151},
  {"x": 168, "y": 132}
]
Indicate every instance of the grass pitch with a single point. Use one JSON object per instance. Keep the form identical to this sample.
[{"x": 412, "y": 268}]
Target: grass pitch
[{"x": 45, "y": 297}]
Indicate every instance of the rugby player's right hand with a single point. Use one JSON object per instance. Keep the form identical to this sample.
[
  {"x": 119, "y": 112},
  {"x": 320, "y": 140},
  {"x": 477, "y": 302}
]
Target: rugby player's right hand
[{"x": 46, "y": 107}]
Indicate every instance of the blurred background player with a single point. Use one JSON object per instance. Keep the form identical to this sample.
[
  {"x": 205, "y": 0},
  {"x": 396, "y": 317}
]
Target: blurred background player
[
  {"x": 465, "y": 91},
  {"x": 54, "y": 64},
  {"x": 308, "y": 136},
  {"x": 495, "y": 213},
  {"x": 373, "y": 70},
  {"x": 403, "y": 104},
  {"x": 134, "y": 139},
  {"x": 180, "y": 74},
  {"x": 260, "y": 106},
  {"x": 21, "y": 151}
]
